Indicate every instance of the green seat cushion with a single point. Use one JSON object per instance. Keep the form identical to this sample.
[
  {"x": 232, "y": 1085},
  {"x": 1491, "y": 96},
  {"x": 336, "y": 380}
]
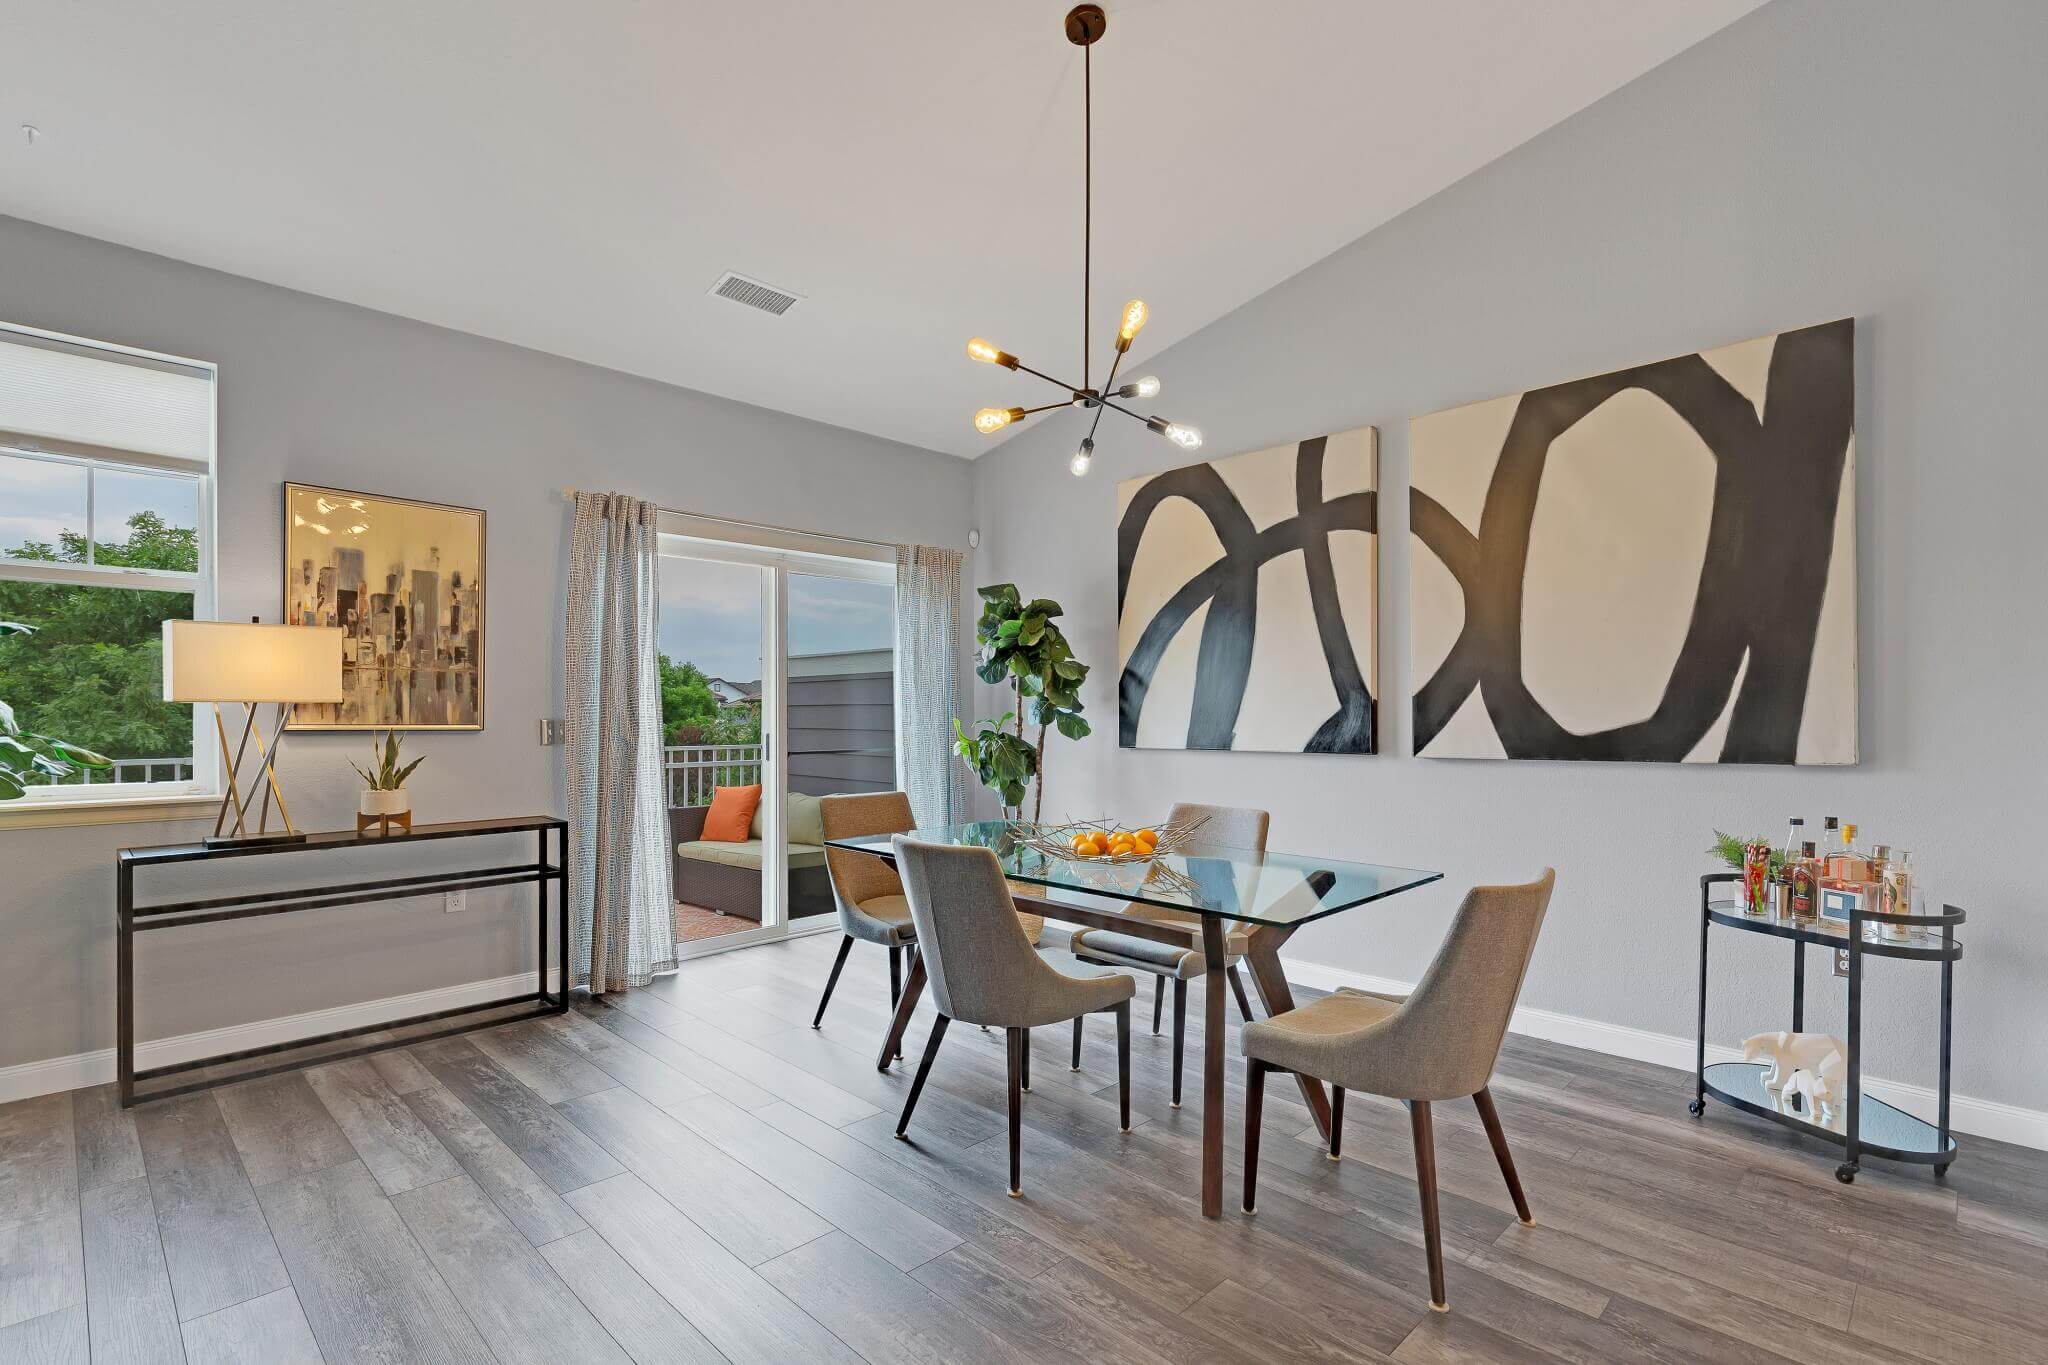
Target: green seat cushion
[{"x": 748, "y": 854}]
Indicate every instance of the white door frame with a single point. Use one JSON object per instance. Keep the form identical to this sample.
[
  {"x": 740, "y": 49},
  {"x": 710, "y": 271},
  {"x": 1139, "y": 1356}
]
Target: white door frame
[{"x": 687, "y": 537}]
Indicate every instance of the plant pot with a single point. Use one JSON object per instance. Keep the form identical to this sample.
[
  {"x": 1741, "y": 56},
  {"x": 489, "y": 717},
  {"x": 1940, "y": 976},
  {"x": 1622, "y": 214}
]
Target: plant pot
[{"x": 385, "y": 803}]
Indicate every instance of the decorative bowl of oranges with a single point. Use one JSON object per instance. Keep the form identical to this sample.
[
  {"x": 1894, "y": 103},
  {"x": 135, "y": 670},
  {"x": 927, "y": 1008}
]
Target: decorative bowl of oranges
[{"x": 1113, "y": 844}]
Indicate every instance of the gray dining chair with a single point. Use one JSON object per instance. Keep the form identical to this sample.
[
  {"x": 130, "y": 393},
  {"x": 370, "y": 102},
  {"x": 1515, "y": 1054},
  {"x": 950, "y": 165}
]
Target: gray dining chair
[
  {"x": 983, "y": 970},
  {"x": 1439, "y": 1043},
  {"x": 865, "y": 889},
  {"x": 1230, "y": 827}
]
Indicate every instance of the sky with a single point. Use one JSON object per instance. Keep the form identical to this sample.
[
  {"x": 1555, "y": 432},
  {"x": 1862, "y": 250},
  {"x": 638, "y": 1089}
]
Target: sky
[
  {"x": 39, "y": 498},
  {"x": 711, "y": 615}
]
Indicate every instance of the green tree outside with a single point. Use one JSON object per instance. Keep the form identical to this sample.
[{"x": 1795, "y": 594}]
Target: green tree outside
[
  {"x": 691, "y": 714},
  {"x": 92, "y": 671}
]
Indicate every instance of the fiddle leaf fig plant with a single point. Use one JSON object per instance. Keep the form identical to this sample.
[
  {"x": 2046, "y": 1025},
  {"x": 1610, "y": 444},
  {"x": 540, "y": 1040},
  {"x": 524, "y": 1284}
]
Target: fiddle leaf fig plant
[
  {"x": 1020, "y": 642},
  {"x": 24, "y": 756}
]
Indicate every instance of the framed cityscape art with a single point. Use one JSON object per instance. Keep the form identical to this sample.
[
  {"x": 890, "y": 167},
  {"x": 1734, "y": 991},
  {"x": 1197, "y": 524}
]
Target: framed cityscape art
[{"x": 405, "y": 581}]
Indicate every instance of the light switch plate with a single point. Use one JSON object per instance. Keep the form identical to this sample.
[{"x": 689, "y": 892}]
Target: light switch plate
[{"x": 550, "y": 732}]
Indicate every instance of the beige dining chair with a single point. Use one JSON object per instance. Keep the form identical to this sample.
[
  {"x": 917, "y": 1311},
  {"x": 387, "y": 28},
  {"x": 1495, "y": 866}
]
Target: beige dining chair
[
  {"x": 983, "y": 970},
  {"x": 865, "y": 889},
  {"x": 1229, "y": 827},
  {"x": 1439, "y": 1043}
]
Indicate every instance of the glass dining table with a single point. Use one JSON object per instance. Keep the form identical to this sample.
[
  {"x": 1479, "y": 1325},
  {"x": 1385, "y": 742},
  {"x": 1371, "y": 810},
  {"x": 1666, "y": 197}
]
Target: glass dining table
[{"x": 1194, "y": 897}]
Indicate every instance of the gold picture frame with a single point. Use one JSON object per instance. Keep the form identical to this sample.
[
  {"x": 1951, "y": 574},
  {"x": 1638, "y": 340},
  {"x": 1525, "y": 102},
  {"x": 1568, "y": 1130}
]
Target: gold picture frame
[{"x": 414, "y": 649}]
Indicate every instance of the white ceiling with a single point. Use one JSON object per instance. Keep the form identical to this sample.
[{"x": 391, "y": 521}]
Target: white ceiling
[{"x": 574, "y": 177}]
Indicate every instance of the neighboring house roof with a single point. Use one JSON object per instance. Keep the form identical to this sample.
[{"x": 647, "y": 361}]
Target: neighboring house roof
[{"x": 730, "y": 692}]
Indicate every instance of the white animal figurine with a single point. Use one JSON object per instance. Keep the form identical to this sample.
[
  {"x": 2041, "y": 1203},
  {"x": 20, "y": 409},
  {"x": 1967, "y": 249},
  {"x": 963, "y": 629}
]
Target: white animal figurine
[
  {"x": 1790, "y": 1052},
  {"x": 1805, "y": 1085}
]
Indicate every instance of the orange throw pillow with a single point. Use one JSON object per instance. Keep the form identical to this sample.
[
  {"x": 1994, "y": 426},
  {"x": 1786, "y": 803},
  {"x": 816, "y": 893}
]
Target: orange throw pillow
[{"x": 731, "y": 814}]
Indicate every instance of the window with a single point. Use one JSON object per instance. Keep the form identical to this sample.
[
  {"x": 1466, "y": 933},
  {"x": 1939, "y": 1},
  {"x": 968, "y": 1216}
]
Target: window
[{"x": 106, "y": 517}]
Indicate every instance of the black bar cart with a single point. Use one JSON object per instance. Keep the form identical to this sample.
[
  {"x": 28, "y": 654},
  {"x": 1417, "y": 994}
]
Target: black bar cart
[{"x": 1862, "y": 1124}]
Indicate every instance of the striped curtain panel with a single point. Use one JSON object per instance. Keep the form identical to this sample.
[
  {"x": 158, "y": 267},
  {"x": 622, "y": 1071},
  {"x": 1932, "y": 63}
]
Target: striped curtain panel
[
  {"x": 928, "y": 682},
  {"x": 623, "y": 920}
]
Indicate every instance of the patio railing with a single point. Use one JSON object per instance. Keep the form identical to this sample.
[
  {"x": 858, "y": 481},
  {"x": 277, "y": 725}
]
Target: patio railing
[
  {"x": 133, "y": 770},
  {"x": 693, "y": 770}
]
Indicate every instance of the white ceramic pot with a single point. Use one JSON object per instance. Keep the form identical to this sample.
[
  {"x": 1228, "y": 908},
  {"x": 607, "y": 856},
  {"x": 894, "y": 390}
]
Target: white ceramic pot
[{"x": 397, "y": 802}]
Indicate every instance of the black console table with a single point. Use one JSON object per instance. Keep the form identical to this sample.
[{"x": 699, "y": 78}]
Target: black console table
[
  {"x": 1863, "y": 1124},
  {"x": 134, "y": 919}
]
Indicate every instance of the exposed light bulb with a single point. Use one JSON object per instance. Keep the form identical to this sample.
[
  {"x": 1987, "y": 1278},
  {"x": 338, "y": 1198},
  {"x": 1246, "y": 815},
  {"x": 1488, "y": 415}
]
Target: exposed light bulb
[
  {"x": 1147, "y": 387},
  {"x": 1082, "y": 458},
  {"x": 991, "y": 420},
  {"x": 1187, "y": 438},
  {"x": 1135, "y": 314},
  {"x": 988, "y": 353}
]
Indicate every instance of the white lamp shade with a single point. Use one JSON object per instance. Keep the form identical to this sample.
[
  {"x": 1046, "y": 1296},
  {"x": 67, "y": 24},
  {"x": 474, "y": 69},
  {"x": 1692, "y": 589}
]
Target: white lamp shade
[{"x": 237, "y": 661}]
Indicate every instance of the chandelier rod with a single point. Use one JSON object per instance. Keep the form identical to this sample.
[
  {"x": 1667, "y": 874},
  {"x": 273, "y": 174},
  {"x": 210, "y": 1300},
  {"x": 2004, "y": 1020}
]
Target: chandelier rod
[{"x": 1087, "y": 198}]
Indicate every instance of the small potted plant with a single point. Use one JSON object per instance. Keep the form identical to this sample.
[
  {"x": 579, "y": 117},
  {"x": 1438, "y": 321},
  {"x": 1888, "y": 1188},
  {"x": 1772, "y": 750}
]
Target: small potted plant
[{"x": 384, "y": 800}]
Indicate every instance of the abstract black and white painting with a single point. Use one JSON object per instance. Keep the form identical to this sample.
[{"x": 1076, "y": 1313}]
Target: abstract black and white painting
[
  {"x": 1248, "y": 601},
  {"x": 1654, "y": 565}
]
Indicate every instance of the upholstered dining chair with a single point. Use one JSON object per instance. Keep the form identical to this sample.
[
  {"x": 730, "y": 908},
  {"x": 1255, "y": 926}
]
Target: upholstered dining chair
[
  {"x": 1439, "y": 1043},
  {"x": 865, "y": 889},
  {"x": 983, "y": 970},
  {"x": 1231, "y": 827}
]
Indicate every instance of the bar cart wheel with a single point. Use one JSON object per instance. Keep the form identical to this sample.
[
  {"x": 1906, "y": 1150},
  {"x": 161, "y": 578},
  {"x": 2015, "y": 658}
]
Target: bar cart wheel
[
  {"x": 1846, "y": 1173},
  {"x": 1696, "y": 1108}
]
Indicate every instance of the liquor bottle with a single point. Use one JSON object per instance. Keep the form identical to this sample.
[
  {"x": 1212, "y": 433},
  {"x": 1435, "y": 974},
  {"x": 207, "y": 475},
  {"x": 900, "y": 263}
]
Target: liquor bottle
[
  {"x": 1794, "y": 837},
  {"x": 1845, "y": 864},
  {"x": 1898, "y": 894},
  {"x": 1805, "y": 879}
]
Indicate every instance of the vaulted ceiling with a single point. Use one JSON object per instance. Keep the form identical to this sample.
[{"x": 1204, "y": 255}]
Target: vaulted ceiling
[{"x": 575, "y": 177}]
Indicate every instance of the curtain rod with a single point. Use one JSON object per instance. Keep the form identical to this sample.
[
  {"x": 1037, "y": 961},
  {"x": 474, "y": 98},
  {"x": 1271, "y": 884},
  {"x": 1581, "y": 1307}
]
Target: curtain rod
[{"x": 570, "y": 494}]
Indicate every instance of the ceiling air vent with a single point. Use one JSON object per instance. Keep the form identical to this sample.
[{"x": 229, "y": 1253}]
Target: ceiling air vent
[{"x": 755, "y": 294}]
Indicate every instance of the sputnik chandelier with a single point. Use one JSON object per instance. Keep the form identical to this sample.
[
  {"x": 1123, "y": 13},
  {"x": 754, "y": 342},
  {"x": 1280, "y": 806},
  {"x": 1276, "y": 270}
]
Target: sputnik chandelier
[{"x": 1085, "y": 25}]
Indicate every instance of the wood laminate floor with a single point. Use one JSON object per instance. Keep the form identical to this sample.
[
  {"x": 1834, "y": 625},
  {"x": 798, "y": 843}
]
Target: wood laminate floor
[{"x": 693, "y": 1174}]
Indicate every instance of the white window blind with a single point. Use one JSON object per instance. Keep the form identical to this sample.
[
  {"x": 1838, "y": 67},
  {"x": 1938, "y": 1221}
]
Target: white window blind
[{"x": 69, "y": 395}]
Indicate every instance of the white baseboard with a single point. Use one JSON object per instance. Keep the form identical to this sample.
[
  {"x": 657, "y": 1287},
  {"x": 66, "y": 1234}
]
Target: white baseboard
[
  {"x": 81, "y": 1069},
  {"x": 1983, "y": 1118}
]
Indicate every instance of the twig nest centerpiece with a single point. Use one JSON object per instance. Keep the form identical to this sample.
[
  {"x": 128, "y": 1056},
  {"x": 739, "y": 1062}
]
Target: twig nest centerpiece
[{"x": 1126, "y": 855}]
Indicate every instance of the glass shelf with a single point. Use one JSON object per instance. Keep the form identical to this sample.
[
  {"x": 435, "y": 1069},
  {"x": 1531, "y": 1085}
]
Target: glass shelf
[
  {"x": 1914, "y": 941},
  {"x": 1881, "y": 1130}
]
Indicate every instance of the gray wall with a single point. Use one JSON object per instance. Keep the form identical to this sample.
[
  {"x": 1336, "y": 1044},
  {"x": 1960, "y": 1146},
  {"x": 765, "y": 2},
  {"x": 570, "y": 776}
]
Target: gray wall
[
  {"x": 842, "y": 733},
  {"x": 322, "y": 392},
  {"x": 1815, "y": 160}
]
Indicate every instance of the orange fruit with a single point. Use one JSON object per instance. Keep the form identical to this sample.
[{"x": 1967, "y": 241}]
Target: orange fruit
[{"x": 1146, "y": 836}]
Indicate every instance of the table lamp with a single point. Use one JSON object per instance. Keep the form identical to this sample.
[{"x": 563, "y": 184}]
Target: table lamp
[{"x": 224, "y": 662}]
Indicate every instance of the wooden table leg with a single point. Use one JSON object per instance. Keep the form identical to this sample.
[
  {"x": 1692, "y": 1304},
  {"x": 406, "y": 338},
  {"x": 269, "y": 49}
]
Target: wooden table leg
[
  {"x": 1212, "y": 1067},
  {"x": 892, "y": 1046},
  {"x": 1262, "y": 955}
]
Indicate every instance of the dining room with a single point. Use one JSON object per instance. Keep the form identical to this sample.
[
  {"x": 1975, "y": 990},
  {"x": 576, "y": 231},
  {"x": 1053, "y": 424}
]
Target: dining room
[{"x": 1021, "y": 682}]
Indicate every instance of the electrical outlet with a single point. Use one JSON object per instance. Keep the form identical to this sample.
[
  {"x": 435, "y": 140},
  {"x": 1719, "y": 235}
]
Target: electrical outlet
[
  {"x": 1841, "y": 962},
  {"x": 454, "y": 902}
]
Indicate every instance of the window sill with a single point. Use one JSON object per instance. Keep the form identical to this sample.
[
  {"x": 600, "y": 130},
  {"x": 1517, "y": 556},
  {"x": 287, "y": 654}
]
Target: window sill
[{"x": 115, "y": 811}]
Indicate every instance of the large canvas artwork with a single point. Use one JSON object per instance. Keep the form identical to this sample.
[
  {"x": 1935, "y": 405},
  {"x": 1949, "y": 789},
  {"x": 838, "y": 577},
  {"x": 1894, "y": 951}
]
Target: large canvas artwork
[
  {"x": 1657, "y": 564},
  {"x": 405, "y": 581},
  {"x": 1248, "y": 601}
]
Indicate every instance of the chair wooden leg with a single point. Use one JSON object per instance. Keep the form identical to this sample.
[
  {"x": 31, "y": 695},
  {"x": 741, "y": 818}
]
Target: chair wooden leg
[
  {"x": 1158, "y": 999},
  {"x": 838, "y": 964},
  {"x": 1077, "y": 1042},
  {"x": 1024, "y": 1066},
  {"x": 895, "y": 976},
  {"x": 1484, "y": 1102},
  {"x": 1123, "y": 1060},
  {"x": 1180, "y": 1033},
  {"x": 1244, "y": 1002},
  {"x": 892, "y": 1044},
  {"x": 1016, "y": 1038},
  {"x": 1336, "y": 1122},
  {"x": 1425, "y": 1180},
  {"x": 1254, "y": 1110},
  {"x": 924, "y": 1069}
]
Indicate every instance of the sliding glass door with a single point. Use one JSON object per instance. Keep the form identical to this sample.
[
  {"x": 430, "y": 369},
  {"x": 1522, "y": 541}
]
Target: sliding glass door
[{"x": 778, "y": 670}]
